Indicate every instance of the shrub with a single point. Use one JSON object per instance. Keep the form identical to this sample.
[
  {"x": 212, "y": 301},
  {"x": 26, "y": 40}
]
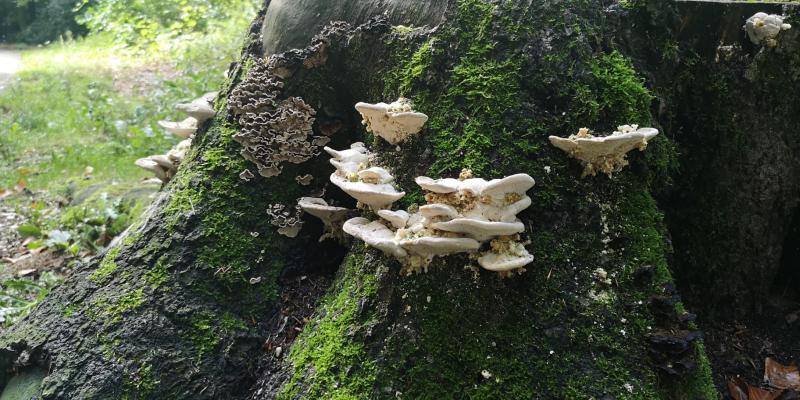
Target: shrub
[
  {"x": 142, "y": 21},
  {"x": 37, "y": 21}
]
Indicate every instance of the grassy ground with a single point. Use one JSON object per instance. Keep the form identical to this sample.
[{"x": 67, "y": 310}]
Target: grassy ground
[{"x": 72, "y": 123}]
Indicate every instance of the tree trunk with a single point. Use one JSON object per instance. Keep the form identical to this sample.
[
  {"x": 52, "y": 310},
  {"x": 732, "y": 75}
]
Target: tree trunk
[
  {"x": 735, "y": 114},
  {"x": 205, "y": 299}
]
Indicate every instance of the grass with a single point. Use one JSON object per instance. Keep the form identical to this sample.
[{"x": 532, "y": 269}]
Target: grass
[
  {"x": 77, "y": 116},
  {"x": 89, "y": 103}
]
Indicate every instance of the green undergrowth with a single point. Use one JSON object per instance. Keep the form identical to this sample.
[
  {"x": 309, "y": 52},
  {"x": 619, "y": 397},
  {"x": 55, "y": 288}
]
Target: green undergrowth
[{"x": 77, "y": 116}]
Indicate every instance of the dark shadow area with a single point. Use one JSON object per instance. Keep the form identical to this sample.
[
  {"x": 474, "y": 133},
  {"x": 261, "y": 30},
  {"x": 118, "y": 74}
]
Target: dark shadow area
[{"x": 787, "y": 283}]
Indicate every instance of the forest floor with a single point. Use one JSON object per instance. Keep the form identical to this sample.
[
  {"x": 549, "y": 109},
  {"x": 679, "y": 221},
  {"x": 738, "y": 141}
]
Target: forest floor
[
  {"x": 739, "y": 348},
  {"x": 74, "y": 116}
]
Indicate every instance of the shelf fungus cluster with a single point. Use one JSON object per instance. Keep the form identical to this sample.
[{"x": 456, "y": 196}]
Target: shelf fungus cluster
[
  {"x": 394, "y": 122},
  {"x": 198, "y": 111},
  {"x": 273, "y": 130},
  {"x": 606, "y": 154},
  {"x": 371, "y": 186},
  {"x": 164, "y": 166},
  {"x": 462, "y": 215},
  {"x": 763, "y": 29}
]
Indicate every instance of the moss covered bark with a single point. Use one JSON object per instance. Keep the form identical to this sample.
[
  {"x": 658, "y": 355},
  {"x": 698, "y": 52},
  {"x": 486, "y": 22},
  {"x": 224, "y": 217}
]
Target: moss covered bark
[
  {"x": 496, "y": 79},
  {"x": 734, "y": 114}
]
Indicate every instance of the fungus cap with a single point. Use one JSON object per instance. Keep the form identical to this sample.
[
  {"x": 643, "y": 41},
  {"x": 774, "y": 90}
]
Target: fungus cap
[
  {"x": 605, "y": 153},
  {"x": 393, "y": 122},
  {"x": 182, "y": 129},
  {"x": 398, "y": 219},
  {"x": 763, "y": 28},
  {"x": 375, "y": 234},
  {"x": 429, "y": 246},
  {"x": 443, "y": 186},
  {"x": 504, "y": 262},
  {"x": 377, "y": 196},
  {"x": 200, "y": 108},
  {"x": 319, "y": 208},
  {"x": 479, "y": 229}
]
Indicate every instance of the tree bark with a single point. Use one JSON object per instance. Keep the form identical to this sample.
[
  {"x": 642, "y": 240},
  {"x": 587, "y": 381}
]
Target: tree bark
[
  {"x": 735, "y": 116},
  {"x": 205, "y": 299}
]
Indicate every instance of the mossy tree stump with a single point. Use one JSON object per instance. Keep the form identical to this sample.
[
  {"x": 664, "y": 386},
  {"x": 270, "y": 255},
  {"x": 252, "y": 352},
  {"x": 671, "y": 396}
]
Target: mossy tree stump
[{"x": 203, "y": 299}]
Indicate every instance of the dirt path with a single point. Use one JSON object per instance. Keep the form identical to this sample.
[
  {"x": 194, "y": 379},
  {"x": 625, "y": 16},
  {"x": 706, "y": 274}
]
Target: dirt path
[{"x": 10, "y": 63}]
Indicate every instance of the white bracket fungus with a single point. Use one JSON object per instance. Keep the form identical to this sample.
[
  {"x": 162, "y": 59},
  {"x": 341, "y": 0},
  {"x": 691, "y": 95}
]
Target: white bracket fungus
[
  {"x": 182, "y": 129},
  {"x": 461, "y": 215},
  {"x": 763, "y": 29},
  {"x": 164, "y": 166},
  {"x": 289, "y": 224},
  {"x": 332, "y": 217},
  {"x": 371, "y": 186},
  {"x": 201, "y": 109},
  {"x": 605, "y": 154},
  {"x": 393, "y": 122}
]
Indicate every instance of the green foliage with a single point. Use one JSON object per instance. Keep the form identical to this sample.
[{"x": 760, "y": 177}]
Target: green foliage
[
  {"x": 18, "y": 296},
  {"x": 84, "y": 228},
  {"x": 142, "y": 21},
  {"x": 37, "y": 21}
]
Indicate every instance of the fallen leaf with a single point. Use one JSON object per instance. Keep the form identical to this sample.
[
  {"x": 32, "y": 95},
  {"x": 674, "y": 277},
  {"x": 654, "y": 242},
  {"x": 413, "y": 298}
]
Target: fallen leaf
[
  {"x": 737, "y": 388},
  {"x": 754, "y": 393},
  {"x": 781, "y": 376},
  {"x": 25, "y": 272},
  {"x": 5, "y": 193},
  {"x": 20, "y": 186}
]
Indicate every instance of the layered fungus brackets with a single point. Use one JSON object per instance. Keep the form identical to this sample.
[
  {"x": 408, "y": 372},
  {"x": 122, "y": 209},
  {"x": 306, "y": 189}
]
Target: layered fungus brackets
[
  {"x": 181, "y": 129},
  {"x": 461, "y": 215},
  {"x": 606, "y": 154},
  {"x": 273, "y": 131},
  {"x": 198, "y": 111},
  {"x": 371, "y": 186},
  {"x": 164, "y": 166},
  {"x": 763, "y": 29},
  {"x": 201, "y": 109},
  {"x": 394, "y": 122},
  {"x": 289, "y": 222}
]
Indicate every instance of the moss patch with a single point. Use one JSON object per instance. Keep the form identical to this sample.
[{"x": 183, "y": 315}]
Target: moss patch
[
  {"x": 107, "y": 267},
  {"x": 321, "y": 353}
]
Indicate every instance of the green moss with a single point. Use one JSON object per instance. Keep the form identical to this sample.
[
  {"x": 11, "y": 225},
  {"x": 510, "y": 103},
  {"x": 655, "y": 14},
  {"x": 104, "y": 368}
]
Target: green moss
[
  {"x": 615, "y": 92},
  {"x": 115, "y": 308},
  {"x": 107, "y": 267},
  {"x": 333, "y": 341},
  {"x": 202, "y": 334},
  {"x": 158, "y": 275},
  {"x": 70, "y": 310},
  {"x": 141, "y": 384},
  {"x": 207, "y": 331}
]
